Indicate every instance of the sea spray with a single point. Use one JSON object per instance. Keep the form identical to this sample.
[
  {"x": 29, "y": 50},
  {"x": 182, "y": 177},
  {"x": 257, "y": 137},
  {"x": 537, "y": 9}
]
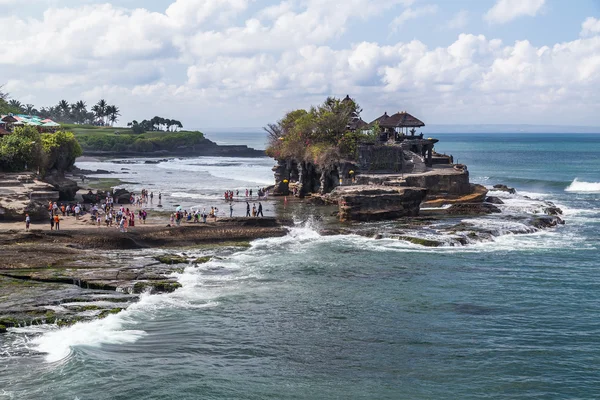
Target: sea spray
[{"x": 578, "y": 186}]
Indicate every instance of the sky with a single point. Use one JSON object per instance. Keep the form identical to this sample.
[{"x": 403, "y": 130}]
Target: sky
[{"x": 245, "y": 63}]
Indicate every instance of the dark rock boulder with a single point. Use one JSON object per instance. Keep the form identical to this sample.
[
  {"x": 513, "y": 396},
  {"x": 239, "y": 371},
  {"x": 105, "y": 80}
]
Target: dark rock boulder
[
  {"x": 93, "y": 198},
  {"x": 504, "y": 188},
  {"x": 473, "y": 209},
  {"x": 421, "y": 241},
  {"x": 65, "y": 187},
  {"x": 493, "y": 200},
  {"x": 553, "y": 210},
  {"x": 122, "y": 196},
  {"x": 546, "y": 221}
]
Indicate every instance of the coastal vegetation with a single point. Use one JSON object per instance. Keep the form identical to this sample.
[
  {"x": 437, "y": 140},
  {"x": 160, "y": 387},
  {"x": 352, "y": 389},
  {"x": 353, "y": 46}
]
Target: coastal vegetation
[
  {"x": 320, "y": 135},
  {"x": 155, "y": 124},
  {"x": 127, "y": 141},
  {"x": 64, "y": 112},
  {"x": 27, "y": 148}
]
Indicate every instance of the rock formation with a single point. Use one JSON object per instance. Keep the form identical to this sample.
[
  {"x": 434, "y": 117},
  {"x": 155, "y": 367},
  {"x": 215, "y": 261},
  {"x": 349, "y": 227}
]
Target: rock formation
[
  {"x": 66, "y": 188},
  {"x": 21, "y": 193},
  {"x": 371, "y": 203}
]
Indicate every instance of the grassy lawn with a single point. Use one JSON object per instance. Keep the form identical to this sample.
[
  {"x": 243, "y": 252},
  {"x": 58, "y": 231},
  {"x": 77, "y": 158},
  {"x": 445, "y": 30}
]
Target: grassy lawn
[
  {"x": 80, "y": 130},
  {"x": 103, "y": 138}
]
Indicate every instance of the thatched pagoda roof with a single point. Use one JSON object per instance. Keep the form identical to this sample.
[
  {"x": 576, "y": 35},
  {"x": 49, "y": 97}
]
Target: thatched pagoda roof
[
  {"x": 356, "y": 124},
  {"x": 384, "y": 117},
  {"x": 9, "y": 119},
  {"x": 401, "y": 120}
]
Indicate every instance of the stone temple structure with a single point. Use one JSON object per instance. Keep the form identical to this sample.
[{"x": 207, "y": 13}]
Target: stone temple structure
[{"x": 398, "y": 165}]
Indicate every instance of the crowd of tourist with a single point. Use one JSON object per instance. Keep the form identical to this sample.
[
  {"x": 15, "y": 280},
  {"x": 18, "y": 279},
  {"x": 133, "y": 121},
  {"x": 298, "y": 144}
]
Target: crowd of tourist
[
  {"x": 106, "y": 213},
  {"x": 262, "y": 193},
  {"x": 110, "y": 213}
]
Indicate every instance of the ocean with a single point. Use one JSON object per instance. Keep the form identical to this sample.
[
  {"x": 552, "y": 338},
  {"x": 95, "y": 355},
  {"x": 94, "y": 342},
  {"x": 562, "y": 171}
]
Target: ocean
[{"x": 307, "y": 316}]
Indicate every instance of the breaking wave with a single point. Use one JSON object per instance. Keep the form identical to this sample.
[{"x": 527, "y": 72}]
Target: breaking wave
[{"x": 578, "y": 186}]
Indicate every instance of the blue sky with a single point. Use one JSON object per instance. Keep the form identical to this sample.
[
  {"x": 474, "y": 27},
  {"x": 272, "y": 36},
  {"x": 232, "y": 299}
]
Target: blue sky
[{"x": 218, "y": 63}]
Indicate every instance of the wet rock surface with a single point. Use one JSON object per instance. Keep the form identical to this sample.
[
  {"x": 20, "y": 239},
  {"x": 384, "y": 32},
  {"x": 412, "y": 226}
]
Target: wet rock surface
[
  {"x": 504, "y": 188},
  {"x": 473, "y": 209},
  {"x": 493, "y": 200},
  {"x": 68, "y": 276}
]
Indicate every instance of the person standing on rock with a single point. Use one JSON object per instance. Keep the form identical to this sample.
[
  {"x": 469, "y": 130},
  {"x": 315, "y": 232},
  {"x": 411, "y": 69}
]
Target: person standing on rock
[
  {"x": 77, "y": 211},
  {"x": 230, "y": 210},
  {"x": 27, "y": 222},
  {"x": 57, "y": 222},
  {"x": 51, "y": 221},
  {"x": 247, "y": 209},
  {"x": 151, "y": 197}
]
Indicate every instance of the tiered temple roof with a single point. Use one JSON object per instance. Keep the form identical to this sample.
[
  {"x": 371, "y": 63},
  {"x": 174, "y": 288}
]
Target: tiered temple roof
[{"x": 398, "y": 120}]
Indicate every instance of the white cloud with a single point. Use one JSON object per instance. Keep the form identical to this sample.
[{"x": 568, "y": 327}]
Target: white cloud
[
  {"x": 410, "y": 13},
  {"x": 591, "y": 26},
  {"x": 286, "y": 55},
  {"x": 459, "y": 20},
  {"x": 506, "y": 10}
]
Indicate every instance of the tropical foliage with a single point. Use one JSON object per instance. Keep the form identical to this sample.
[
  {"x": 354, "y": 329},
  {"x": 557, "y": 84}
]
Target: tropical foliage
[
  {"x": 155, "y": 124},
  {"x": 61, "y": 149},
  {"x": 26, "y": 149},
  {"x": 319, "y": 135},
  {"x": 101, "y": 113}
]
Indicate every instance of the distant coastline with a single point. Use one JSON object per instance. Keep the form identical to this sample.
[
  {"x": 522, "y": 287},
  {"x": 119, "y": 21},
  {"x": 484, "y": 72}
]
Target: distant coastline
[{"x": 448, "y": 128}]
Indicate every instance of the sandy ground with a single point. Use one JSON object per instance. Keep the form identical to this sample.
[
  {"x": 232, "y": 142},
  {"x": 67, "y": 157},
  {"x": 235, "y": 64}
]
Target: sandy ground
[{"x": 71, "y": 223}]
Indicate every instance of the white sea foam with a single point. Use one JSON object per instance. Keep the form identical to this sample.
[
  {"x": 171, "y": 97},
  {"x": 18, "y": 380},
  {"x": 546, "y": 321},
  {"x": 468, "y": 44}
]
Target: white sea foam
[
  {"x": 58, "y": 344},
  {"x": 114, "y": 329},
  {"x": 578, "y": 186}
]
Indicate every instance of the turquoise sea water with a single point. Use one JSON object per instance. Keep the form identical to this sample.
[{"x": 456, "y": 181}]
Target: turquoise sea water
[{"x": 346, "y": 317}]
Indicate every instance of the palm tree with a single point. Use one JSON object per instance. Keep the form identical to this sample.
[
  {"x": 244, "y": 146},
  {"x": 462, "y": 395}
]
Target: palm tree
[
  {"x": 112, "y": 112},
  {"x": 30, "y": 109},
  {"x": 79, "y": 111},
  {"x": 3, "y": 95},
  {"x": 101, "y": 109},
  {"x": 65, "y": 109},
  {"x": 16, "y": 104}
]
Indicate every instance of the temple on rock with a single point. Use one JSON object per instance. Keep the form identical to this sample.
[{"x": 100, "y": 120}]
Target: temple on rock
[{"x": 389, "y": 155}]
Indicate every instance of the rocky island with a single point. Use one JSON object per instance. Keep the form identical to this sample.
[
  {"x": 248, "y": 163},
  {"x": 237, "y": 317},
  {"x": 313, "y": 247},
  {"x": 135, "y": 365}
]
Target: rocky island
[{"x": 375, "y": 171}]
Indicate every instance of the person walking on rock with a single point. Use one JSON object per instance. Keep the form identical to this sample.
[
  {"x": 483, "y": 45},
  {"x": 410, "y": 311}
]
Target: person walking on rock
[
  {"x": 260, "y": 212},
  {"x": 27, "y": 222},
  {"x": 247, "y": 209}
]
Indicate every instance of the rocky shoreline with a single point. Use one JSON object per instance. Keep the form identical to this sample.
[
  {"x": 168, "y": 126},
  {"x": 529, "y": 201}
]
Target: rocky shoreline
[
  {"x": 84, "y": 273},
  {"x": 73, "y": 275}
]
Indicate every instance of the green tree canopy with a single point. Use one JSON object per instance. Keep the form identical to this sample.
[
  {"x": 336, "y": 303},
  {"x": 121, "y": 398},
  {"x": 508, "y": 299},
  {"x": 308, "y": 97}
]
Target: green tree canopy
[
  {"x": 319, "y": 135},
  {"x": 26, "y": 149}
]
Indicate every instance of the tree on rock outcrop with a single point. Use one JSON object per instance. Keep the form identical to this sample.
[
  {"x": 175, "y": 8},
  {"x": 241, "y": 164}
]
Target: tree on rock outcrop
[
  {"x": 22, "y": 150},
  {"x": 61, "y": 149},
  {"x": 319, "y": 135}
]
